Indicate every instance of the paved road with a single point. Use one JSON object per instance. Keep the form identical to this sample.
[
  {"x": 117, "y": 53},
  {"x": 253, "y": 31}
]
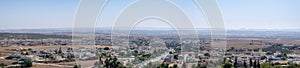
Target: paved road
[
  {"x": 140, "y": 65},
  {"x": 53, "y": 65}
]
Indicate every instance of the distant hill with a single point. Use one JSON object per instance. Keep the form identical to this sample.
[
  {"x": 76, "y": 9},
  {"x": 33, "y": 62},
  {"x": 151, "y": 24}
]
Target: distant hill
[
  {"x": 291, "y": 34},
  {"x": 31, "y": 36}
]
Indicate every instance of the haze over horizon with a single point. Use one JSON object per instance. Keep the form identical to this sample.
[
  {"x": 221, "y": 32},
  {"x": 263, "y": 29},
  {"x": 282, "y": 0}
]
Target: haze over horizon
[{"x": 254, "y": 14}]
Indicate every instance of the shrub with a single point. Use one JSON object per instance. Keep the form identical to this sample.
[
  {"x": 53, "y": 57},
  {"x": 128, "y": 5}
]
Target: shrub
[{"x": 27, "y": 63}]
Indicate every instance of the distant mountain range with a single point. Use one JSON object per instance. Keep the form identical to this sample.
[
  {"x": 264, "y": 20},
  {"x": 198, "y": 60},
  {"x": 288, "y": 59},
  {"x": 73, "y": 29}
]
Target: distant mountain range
[{"x": 287, "y": 33}]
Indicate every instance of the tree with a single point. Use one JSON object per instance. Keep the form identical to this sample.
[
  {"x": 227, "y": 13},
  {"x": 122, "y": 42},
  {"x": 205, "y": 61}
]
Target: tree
[
  {"x": 269, "y": 53},
  {"x": 251, "y": 63},
  {"x": 59, "y": 51},
  {"x": 200, "y": 58},
  {"x": 245, "y": 64},
  {"x": 76, "y": 66},
  {"x": 112, "y": 62},
  {"x": 235, "y": 63},
  {"x": 285, "y": 58},
  {"x": 176, "y": 57},
  {"x": 29, "y": 49},
  {"x": 263, "y": 57},
  {"x": 232, "y": 48},
  {"x": 224, "y": 60},
  {"x": 27, "y": 63},
  {"x": 254, "y": 64},
  {"x": 258, "y": 63},
  {"x": 284, "y": 55},
  {"x": 206, "y": 54},
  {"x": 70, "y": 56},
  {"x": 106, "y": 63},
  {"x": 106, "y": 48},
  {"x": 227, "y": 65}
]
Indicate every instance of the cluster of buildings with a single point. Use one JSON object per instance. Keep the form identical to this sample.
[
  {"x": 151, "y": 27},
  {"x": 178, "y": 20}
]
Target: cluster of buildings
[
  {"x": 46, "y": 42},
  {"x": 41, "y": 56},
  {"x": 247, "y": 58}
]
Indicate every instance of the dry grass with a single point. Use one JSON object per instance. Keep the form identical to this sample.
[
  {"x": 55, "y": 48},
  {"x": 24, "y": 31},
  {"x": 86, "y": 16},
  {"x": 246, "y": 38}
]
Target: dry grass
[
  {"x": 7, "y": 62},
  {"x": 242, "y": 44},
  {"x": 47, "y": 66}
]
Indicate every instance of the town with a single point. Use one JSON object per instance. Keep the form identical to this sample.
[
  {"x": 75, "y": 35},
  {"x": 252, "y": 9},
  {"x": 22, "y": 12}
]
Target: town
[{"x": 145, "y": 51}]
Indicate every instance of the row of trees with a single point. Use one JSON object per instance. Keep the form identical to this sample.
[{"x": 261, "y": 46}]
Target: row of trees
[
  {"x": 255, "y": 64},
  {"x": 235, "y": 64}
]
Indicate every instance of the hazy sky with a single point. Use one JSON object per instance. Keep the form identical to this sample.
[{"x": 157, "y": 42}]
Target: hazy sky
[{"x": 238, "y": 14}]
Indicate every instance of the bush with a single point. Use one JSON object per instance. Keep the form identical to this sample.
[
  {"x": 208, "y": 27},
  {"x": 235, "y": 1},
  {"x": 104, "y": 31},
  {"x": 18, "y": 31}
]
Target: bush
[
  {"x": 106, "y": 48},
  {"x": 293, "y": 65},
  {"x": 76, "y": 66},
  {"x": 15, "y": 63},
  {"x": 206, "y": 54},
  {"x": 265, "y": 65},
  {"x": 277, "y": 63},
  {"x": 2, "y": 65},
  {"x": 263, "y": 57},
  {"x": 27, "y": 63},
  {"x": 227, "y": 65}
]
